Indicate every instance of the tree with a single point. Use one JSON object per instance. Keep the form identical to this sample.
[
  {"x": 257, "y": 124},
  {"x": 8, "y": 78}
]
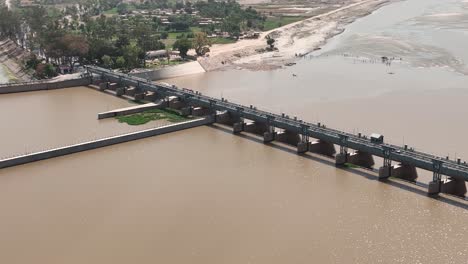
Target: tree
[
  {"x": 107, "y": 61},
  {"x": 45, "y": 71},
  {"x": 122, "y": 9},
  {"x": 231, "y": 25},
  {"x": 183, "y": 46},
  {"x": 270, "y": 42},
  {"x": 76, "y": 46},
  {"x": 132, "y": 55},
  {"x": 201, "y": 43},
  {"x": 120, "y": 62}
]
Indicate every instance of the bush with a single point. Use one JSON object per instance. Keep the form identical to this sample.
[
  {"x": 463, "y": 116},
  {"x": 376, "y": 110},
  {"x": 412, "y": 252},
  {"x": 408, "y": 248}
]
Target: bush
[
  {"x": 45, "y": 70},
  {"x": 32, "y": 62}
]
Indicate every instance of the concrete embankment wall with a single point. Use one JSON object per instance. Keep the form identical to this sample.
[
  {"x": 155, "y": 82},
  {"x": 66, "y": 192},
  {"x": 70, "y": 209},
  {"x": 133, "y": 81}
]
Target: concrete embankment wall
[
  {"x": 14, "y": 161},
  {"x": 38, "y": 86},
  {"x": 171, "y": 72},
  {"x": 11, "y": 55},
  {"x": 130, "y": 110}
]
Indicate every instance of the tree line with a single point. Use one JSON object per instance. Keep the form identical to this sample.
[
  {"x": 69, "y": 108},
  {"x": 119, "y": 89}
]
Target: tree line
[{"x": 81, "y": 33}]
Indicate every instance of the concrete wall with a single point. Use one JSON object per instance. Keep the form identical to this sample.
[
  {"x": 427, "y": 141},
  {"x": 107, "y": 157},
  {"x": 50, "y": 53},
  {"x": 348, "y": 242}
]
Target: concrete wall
[
  {"x": 37, "y": 86},
  {"x": 171, "y": 72},
  {"x": 103, "y": 142}
]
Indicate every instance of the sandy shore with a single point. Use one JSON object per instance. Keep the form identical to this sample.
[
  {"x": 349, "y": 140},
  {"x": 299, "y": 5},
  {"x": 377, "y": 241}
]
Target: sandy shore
[{"x": 292, "y": 40}]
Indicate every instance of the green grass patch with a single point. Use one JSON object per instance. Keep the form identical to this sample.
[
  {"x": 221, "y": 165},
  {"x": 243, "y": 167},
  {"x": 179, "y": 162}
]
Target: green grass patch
[
  {"x": 174, "y": 35},
  {"x": 219, "y": 40},
  {"x": 152, "y": 115},
  {"x": 276, "y": 22}
]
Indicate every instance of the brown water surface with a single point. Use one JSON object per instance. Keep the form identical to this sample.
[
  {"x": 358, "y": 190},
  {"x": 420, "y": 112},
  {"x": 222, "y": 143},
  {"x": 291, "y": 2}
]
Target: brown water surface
[{"x": 206, "y": 196}]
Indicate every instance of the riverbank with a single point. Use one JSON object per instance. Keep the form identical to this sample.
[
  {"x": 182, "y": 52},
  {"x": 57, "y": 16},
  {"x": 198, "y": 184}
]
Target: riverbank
[
  {"x": 188, "y": 68},
  {"x": 292, "y": 40},
  {"x": 11, "y": 56}
]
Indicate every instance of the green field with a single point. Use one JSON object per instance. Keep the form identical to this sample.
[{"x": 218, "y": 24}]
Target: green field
[
  {"x": 220, "y": 40},
  {"x": 276, "y": 22},
  {"x": 112, "y": 11},
  {"x": 152, "y": 115}
]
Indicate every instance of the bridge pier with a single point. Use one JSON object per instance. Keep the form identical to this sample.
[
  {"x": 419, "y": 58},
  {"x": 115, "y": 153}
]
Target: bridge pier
[
  {"x": 385, "y": 172},
  {"x": 288, "y": 137},
  {"x": 302, "y": 147},
  {"x": 186, "y": 111},
  {"x": 113, "y": 86},
  {"x": 255, "y": 128},
  {"x": 341, "y": 159},
  {"x": 453, "y": 186},
  {"x": 120, "y": 91},
  {"x": 401, "y": 171},
  {"x": 175, "y": 103},
  {"x": 269, "y": 136},
  {"x": 200, "y": 111},
  {"x": 238, "y": 127},
  {"x": 362, "y": 159},
  {"x": 103, "y": 86},
  {"x": 130, "y": 91},
  {"x": 226, "y": 118},
  {"x": 449, "y": 186},
  {"x": 322, "y": 147},
  {"x": 358, "y": 158},
  {"x": 405, "y": 172},
  {"x": 139, "y": 96}
]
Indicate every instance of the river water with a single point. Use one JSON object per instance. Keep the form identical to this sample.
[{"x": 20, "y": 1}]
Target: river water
[{"x": 206, "y": 196}]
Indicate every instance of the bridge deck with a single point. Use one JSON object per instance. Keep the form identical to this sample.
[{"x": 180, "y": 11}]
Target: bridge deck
[{"x": 396, "y": 153}]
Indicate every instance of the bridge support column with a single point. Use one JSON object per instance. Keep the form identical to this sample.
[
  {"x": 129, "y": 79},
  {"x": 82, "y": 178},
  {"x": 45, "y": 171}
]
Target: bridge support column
[
  {"x": 120, "y": 91},
  {"x": 362, "y": 159},
  {"x": 268, "y": 137},
  {"x": 434, "y": 188},
  {"x": 186, "y": 111},
  {"x": 385, "y": 172},
  {"x": 302, "y": 147},
  {"x": 341, "y": 159},
  {"x": 436, "y": 183},
  {"x": 322, "y": 147},
  {"x": 238, "y": 127},
  {"x": 288, "y": 137},
  {"x": 103, "y": 86}
]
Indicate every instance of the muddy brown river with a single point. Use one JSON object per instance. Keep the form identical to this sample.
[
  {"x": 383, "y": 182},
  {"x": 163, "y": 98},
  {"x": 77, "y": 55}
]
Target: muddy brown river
[{"x": 207, "y": 196}]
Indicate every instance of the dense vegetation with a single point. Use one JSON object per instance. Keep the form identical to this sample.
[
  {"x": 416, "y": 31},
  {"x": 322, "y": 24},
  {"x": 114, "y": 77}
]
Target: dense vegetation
[
  {"x": 152, "y": 115},
  {"x": 84, "y": 33}
]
